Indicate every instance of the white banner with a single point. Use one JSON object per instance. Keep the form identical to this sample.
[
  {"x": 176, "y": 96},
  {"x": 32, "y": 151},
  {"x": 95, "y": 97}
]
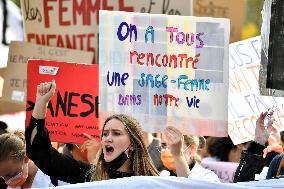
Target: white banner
[{"x": 159, "y": 182}]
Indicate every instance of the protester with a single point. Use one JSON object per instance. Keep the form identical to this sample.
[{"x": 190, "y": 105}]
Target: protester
[
  {"x": 123, "y": 152},
  {"x": 252, "y": 161},
  {"x": 154, "y": 148},
  {"x": 3, "y": 127},
  {"x": 16, "y": 168},
  {"x": 276, "y": 167},
  {"x": 222, "y": 149},
  {"x": 184, "y": 152},
  {"x": 74, "y": 151}
]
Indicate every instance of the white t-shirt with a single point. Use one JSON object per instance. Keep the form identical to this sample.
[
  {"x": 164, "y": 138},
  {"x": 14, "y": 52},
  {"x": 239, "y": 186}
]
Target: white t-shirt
[
  {"x": 198, "y": 172},
  {"x": 41, "y": 180}
]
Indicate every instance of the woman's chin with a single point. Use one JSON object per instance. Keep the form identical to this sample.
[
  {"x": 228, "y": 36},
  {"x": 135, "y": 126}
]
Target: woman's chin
[{"x": 108, "y": 158}]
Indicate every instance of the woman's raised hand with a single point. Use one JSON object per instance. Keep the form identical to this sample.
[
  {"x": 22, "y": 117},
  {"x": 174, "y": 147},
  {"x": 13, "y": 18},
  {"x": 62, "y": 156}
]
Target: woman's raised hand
[
  {"x": 175, "y": 140},
  {"x": 45, "y": 91}
]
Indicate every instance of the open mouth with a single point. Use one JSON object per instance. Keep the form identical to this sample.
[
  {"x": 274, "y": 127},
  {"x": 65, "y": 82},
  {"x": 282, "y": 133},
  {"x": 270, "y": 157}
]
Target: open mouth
[{"x": 109, "y": 150}]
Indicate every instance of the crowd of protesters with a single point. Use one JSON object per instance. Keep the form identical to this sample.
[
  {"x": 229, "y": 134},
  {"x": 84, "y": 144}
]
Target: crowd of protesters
[{"x": 124, "y": 151}]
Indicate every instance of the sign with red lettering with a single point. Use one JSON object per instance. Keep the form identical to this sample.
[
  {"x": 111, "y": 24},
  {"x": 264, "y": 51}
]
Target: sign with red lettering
[
  {"x": 74, "y": 24},
  {"x": 165, "y": 70},
  {"x": 73, "y": 109},
  {"x": 245, "y": 101},
  {"x": 15, "y": 75}
]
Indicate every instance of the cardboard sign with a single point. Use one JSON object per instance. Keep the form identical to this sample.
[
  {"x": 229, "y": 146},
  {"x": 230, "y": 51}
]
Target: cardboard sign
[
  {"x": 74, "y": 24},
  {"x": 73, "y": 109},
  {"x": 15, "y": 75},
  {"x": 224, "y": 170},
  {"x": 234, "y": 10},
  {"x": 165, "y": 70},
  {"x": 245, "y": 101}
]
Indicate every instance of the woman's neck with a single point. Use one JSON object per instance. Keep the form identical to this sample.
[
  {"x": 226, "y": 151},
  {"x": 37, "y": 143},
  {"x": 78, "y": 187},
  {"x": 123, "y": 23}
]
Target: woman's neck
[{"x": 125, "y": 167}]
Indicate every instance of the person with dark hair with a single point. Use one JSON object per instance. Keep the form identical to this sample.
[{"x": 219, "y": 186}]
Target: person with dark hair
[
  {"x": 122, "y": 153},
  {"x": 276, "y": 167},
  {"x": 154, "y": 148},
  {"x": 3, "y": 127},
  {"x": 222, "y": 149}
]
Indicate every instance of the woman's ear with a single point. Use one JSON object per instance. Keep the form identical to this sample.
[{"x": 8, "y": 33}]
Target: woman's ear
[
  {"x": 131, "y": 147},
  {"x": 194, "y": 148}
]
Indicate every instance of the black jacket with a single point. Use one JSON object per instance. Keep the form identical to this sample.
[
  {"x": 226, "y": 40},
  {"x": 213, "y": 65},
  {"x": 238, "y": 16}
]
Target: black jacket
[
  {"x": 49, "y": 160},
  {"x": 252, "y": 162}
]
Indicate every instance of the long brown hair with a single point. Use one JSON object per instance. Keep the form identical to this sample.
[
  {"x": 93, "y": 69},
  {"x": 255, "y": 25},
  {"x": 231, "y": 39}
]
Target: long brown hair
[
  {"x": 140, "y": 158},
  {"x": 12, "y": 146}
]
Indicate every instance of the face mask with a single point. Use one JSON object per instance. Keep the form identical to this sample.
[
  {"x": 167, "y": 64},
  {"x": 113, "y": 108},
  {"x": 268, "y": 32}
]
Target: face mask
[
  {"x": 168, "y": 160},
  {"x": 20, "y": 178},
  {"x": 118, "y": 161}
]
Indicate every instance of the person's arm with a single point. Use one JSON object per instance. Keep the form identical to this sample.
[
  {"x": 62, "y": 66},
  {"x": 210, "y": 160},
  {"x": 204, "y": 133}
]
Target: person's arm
[
  {"x": 249, "y": 164},
  {"x": 175, "y": 140},
  {"x": 38, "y": 144},
  {"x": 251, "y": 159}
]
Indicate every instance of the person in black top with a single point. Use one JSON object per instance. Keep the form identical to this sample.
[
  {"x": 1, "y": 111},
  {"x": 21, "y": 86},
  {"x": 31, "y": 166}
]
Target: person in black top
[
  {"x": 252, "y": 161},
  {"x": 123, "y": 152}
]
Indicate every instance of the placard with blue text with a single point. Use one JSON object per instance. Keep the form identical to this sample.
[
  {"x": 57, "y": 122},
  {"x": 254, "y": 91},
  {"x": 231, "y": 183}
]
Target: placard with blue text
[{"x": 165, "y": 70}]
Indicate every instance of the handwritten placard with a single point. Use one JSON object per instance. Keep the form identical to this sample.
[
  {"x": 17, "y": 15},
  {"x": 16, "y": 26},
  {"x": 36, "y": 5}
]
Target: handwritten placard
[
  {"x": 74, "y": 106},
  {"x": 74, "y": 24},
  {"x": 245, "y": 101},
  {"x": 234, "y": 10},
  {"x": 15, "y": 75},
  {"x": 165, "y": 70}
]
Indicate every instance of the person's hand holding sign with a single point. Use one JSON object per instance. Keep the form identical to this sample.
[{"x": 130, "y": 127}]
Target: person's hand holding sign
[{"x": 264, "y": 130}]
